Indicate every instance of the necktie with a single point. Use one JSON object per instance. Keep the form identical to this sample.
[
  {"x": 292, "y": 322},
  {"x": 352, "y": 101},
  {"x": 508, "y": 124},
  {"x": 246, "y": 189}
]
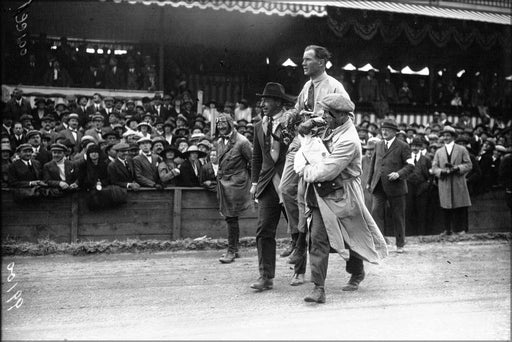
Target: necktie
[
  {"x": 310, "y": 105},
  {"x": 269, "y": 134}
]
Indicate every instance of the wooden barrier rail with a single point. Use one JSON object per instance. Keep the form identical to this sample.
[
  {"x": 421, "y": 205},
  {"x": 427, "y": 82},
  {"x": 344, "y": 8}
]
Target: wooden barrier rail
[{"x": 176, "y": 213}]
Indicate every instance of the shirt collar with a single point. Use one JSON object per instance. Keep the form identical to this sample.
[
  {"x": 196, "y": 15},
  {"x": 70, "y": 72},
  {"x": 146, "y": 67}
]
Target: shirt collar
[
  {"x": 390, "y": 142},
  {"x": 319, "y": 78}
]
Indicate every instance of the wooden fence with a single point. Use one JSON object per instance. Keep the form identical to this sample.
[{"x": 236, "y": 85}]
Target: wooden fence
[{"x": 177, "y": 213}]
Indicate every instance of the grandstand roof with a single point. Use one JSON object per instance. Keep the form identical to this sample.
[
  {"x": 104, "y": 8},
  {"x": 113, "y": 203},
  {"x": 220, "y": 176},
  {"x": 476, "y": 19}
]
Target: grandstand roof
[{"x": 497, "y": 12}]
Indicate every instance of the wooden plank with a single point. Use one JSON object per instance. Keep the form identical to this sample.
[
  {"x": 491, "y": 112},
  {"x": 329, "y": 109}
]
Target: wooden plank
[
  {"x": 122, "y": 237},
  {"x": 126, "y": 215},
  {"x": 74, "y": 218},
  {"x": 199, "y": 199},
  {"x": 57, "y": 233},
  {"x": 176, "y": 215},
  {"x": 137, "y": 228}
]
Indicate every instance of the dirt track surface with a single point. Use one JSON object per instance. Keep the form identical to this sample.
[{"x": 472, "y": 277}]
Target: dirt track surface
[{"x": 453, "y": 290}]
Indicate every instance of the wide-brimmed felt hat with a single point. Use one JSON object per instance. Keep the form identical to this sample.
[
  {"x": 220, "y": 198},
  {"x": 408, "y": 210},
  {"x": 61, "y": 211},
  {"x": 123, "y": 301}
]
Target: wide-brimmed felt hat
[
  {"x": 39, "y": 100},
  {"x": 180, "y": 140},
  {"x": 157, "y": 139},
  {"x": 450, "y": 130},
  {"x": 274, "y": 90},
  {"x": 109, "y": 131},
  {"x": 168, "y": 148},
  {"x": 411, "y": 128},
  {"x": 170, "y": 124},
  {"x": 144, "y": 123},
  {"x": 26, "y": 117},
  {"x": 182, "y": 117},
  {"x": 194, "y": 148},
  {"x": 185, "y": 129},
  {"x": 389, "y": 123},
  {"x": 206, "y": 143}
]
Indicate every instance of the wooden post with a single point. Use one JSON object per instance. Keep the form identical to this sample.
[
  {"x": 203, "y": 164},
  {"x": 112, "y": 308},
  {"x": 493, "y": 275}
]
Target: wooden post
[
  {"x": 74, "y": 218},
  {"x": 161, "y": 52},
  {"x": 176, "y": 218}
]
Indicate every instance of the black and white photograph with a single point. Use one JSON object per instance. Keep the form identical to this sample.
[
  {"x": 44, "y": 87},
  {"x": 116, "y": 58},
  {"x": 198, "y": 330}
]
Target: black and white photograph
[{"x": 256, "y": 170}]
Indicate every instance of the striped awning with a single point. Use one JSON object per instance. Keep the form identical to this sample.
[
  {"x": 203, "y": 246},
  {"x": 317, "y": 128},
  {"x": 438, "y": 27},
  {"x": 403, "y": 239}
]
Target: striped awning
[
  {"x": 294, "y": 8},
  {"x": 313, "y": 8}
]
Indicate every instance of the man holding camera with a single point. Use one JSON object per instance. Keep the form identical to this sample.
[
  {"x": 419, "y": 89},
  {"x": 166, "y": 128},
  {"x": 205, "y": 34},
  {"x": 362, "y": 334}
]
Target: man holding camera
[{"x": 451, "y": 164}]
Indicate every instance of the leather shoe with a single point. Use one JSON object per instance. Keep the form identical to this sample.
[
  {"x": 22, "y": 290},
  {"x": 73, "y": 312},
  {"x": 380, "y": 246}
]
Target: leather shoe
[
  {"x": 263, "y": 284},
  {"x": 399, "y": 250},
  {"x": 317, "y": 296},
  {"x": 354, "y": 281},
  {"x": 289, "y": 250},
  {"x": 297, "y": 279},
  {"x": 296, "y": 256},
  {"x": 227, "y": 258},
  {"x": 237, "y": 255}
]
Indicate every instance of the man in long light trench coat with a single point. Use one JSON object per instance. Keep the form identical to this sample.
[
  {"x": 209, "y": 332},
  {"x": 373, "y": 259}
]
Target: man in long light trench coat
[
  {"x": 234, "y": 153},
  {"x": 339, "y": 218},
  {"x": 451, "y": 163}
]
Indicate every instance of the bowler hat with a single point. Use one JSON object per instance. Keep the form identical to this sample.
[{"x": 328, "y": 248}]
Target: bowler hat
[
  {"x": 417, "y": 142},
  {"x": 389, "y": 123},
  {"x": 274, "y": 90}
]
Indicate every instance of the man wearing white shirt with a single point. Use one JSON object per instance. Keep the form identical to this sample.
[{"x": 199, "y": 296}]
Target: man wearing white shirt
[{"x": 450, "y": 165}]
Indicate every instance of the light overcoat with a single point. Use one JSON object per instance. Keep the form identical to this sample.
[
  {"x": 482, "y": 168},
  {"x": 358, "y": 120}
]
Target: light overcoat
[
  {"x": 345, "y": 216},
  {"x": 453, "y": 190},
  {"x": 233, "y": 178}
]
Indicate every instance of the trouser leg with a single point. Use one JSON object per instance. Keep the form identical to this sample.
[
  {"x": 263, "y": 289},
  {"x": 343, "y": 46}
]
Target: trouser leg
[
  {"x": 233, "y": 233},
  {"x": 319, "y": 250},
  {"x": 378, "y": 208},
  {"x": 447, "y": 219},
  {"x": 355, "y": 264},
  {"x": 397, "y": 206},
  {"x": 269, "y": 212}
]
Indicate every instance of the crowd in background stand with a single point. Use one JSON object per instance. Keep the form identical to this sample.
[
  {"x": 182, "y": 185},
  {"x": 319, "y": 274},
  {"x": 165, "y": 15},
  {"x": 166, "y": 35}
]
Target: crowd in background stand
[{"x": 170, "y": 134}]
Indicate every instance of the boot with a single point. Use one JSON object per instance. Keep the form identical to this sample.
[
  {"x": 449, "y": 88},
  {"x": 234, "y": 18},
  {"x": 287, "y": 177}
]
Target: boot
[
  {"x": 227, "y": 258},
  {"x": 317, "y": 296},
  {"x": 353, "y": 283}
]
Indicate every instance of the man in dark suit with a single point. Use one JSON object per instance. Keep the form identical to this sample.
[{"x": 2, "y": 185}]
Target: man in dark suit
[
  {"x": 96, "y": 106},
  {"x": 17, "y": 105},
  {"x": 388, "y": 173},
  {"x": 121, "y": 171},
  {"x": 39, "y": 112},
  {"x": 40, "y": 153},
  {"x": 18, "y": 135},
  {"x": 146, "y": 165},
  {"x": 417, "y": 189},
  {"x": 72, "y": 133},
  {"x": 25, "y": 172},
  {"x": 115, "y": 77},
  {"x": 81, "y": 110},
  {"x": 158, "y": 109},
  {"x": 60, "y": 172},
  {"x": 268, "y": 161}
]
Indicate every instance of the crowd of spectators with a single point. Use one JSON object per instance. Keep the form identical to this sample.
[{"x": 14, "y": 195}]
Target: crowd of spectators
[
  {"x": 72, "y": 66},
  {"x": 162, "y": 142}
]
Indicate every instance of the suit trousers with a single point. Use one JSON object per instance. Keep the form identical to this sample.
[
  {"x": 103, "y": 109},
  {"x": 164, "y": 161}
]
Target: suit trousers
[
  {"x": 288, "y": 187},
  {"x": 456, "y": 219},
  {"x": 319, "y": 252},
  {"x": 397, "y": 207},
  {"x": 233, "y": 233},
  {"x": 269, "y": 213}
]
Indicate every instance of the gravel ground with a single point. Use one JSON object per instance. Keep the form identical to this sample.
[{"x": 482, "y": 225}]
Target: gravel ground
[{"x": 436, "y": 291}]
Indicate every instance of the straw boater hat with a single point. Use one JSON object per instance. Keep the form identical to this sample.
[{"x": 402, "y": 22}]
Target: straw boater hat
[
  {"x": 58, "y": 147},
  {"x": 23, "y": 147},
  {"x": 450, "y": 130}
]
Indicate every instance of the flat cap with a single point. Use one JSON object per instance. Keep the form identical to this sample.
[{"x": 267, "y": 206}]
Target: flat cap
[
  {"x": 121, "y": 147},
  {"x": 33, "y": 132},
  {"x": 337, "y": 102},
  {"x": 58, "y": 147},
  {"x": 24, "y": 147}
]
